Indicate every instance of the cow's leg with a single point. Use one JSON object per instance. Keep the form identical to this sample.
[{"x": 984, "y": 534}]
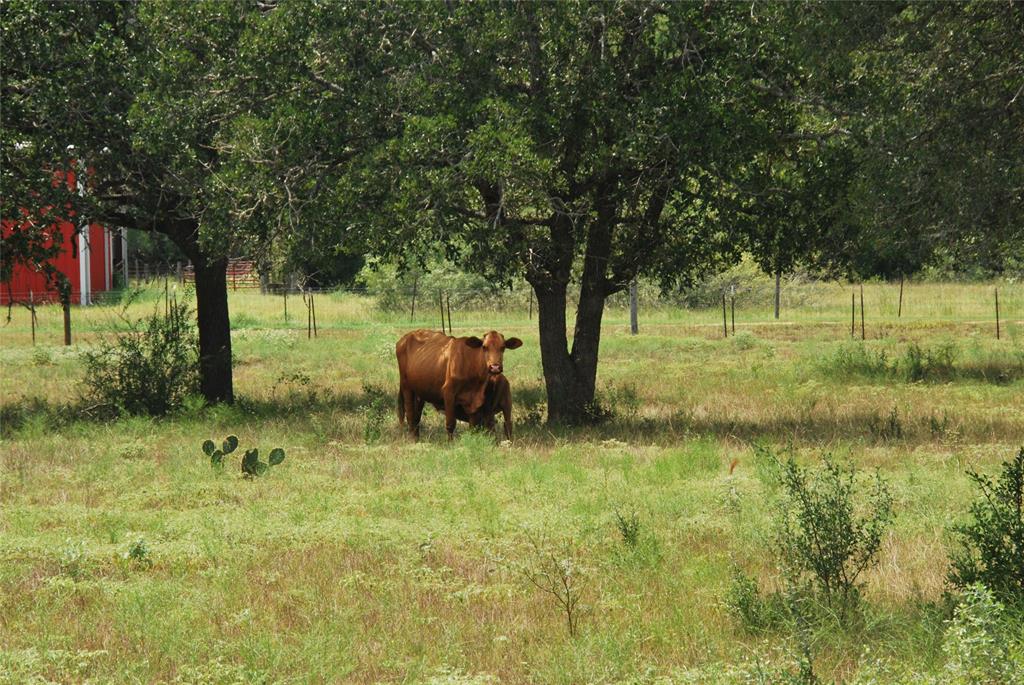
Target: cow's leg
[
  {"x": 506, "y": 409},
  {"x": 414, "y": 418},
  {"x": 449, "y": 414},
  {"x": 409, "y": 411}
]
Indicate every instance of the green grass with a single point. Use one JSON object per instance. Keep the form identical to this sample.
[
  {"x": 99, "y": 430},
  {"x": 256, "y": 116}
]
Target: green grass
[{"x": 399, "y": 562}]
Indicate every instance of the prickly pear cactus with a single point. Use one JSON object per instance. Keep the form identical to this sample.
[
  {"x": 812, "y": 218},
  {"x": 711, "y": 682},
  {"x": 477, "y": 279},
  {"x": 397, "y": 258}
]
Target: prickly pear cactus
[{"x": 251, "y": 464}]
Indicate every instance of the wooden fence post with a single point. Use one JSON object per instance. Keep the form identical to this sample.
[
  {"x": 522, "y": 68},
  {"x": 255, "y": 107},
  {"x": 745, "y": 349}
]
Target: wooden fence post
[
  {"x": 312, "y": 304},
  {"x": 32, "y": 311},
  {"x": 862, "y": 335},
  {"x": 634, "y": 325},
  {"x": 415, "y": 282},
  {"x": 997, "y": 313},
  {"x": 448, "y": 300},
  {"x": 440, "y": 303},
  {"x": 899, "y": 310},
  {"x": 307, "y": 298},
  {"x": 733, "y": 309},
  {"x": 725, "y": 324},
  {"x": 778, "y": 293},
  {"x": 67, "y": 321}
]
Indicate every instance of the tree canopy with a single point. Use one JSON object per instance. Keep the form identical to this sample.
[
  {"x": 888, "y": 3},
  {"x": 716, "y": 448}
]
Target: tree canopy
[{"x": 559, "y": 142}]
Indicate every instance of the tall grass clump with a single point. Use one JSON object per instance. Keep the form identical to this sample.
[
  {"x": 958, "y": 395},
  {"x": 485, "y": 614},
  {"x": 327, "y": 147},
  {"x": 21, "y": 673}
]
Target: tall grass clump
[
  {"x": 928, "y": 364},
  {"x": 991, "y": 546},
  {"x": 856, "y": 360},
  {"x": 150, "y": 369}
]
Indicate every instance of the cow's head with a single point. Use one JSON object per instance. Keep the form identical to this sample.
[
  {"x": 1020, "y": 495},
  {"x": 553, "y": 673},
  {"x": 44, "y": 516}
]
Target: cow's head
[{"x": 494, "y": 345}]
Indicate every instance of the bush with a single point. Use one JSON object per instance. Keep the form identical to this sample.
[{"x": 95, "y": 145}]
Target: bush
[
  {"x": 151, "y": 369},
  {"x": 378, "y": 409},
  {"x": 820, "y": 534},
  {"x": 977, "y": 643},
  {"x": 992, "y": 545}
]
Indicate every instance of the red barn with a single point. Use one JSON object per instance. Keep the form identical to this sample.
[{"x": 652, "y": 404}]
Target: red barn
[{"x": 86, "y": 258}]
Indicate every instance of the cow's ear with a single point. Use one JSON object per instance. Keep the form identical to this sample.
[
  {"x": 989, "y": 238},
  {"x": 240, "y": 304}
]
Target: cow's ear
[
  {"x": 474, "y": 341},
  {"x": 513, "y": 343}
]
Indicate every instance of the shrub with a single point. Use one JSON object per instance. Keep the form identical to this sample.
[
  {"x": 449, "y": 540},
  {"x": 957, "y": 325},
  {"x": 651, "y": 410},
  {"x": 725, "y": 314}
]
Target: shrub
[
  {"x": 148, "y": 370},
  {"x": 992, "y": 545},
  {"x": 977, "y": 645},
  {"x": 820, "y": 534},
  {"x": 377, "y": 408}
]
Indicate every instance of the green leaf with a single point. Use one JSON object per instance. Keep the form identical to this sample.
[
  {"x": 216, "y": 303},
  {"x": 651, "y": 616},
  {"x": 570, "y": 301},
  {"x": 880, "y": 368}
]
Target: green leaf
[
  {"x": 276, "y": 456},
  {"x": 209, "y": 447},
  {"x": 230, "y": 444},
  {"x": 249, "y": 462},
  {"x": 217, "y": 458},
  {"x": 261, "y": 468}
]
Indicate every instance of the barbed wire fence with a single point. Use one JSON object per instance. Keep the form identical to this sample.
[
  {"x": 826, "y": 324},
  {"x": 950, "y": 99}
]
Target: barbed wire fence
[{"x": 992, "y": 305}]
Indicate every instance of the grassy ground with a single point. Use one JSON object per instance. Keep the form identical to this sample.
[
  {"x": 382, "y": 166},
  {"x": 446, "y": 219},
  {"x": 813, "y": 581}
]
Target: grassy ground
[{"x": 125, "y": 558}]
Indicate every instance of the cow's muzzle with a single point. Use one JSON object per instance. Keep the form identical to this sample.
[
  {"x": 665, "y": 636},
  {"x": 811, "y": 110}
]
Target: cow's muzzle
[{"x": 494, "y": 368}]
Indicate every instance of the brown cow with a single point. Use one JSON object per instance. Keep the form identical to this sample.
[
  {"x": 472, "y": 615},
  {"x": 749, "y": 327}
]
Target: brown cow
[{"x": 453, "y": 374}]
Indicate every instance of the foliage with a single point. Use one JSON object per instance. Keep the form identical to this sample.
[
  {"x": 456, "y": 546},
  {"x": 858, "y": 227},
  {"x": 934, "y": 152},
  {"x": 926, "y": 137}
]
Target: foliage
[
  {"x": 150, "y": 369},
  {"x": 978, "y": 643},
  {"x": 821, "y": 535},
  {"x": 138, "y": 553},
  {"x": 991, "y": 546},
  {"x": 377, "y": 408}
]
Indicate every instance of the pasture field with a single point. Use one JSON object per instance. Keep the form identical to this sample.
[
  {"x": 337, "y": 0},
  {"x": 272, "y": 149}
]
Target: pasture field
[{"x": 126, "y": 558}]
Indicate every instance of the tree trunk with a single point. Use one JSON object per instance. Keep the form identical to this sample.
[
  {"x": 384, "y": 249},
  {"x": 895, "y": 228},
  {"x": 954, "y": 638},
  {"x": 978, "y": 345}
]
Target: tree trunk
[
  {"x": 211, "y": 280},
  {"x": 567, "y": 398},
  {"x": 571, "y": 377},
  {"x": 214, "y": 330}
]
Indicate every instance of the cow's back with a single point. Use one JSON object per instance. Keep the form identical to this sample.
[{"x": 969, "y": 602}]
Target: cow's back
[{"x": 423, "y": 362}]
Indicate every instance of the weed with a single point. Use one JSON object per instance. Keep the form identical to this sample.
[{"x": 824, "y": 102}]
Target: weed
[
  {"x": 629, "y": 528},
  {"x": 855, "y": 360},
  {"x": 72, "y": 559},
  {"x": 555, "y": 570},
  {"x": 745, "y": 600},
  {"x": 921, "y": 363},
  {"x": 42, "y": 356},
  {"x": 745, "y": 340},
  {"x": 138, "y": 553},
  {"x": 889, "y": 428}
]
